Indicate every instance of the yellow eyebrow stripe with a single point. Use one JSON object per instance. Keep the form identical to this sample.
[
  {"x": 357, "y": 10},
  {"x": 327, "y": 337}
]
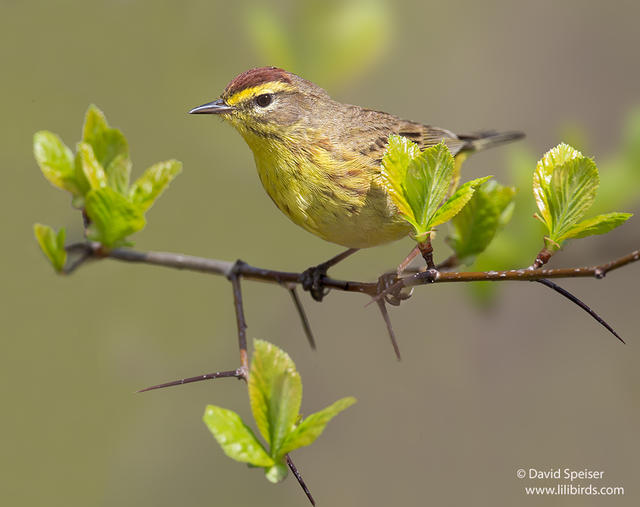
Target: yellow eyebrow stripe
[{"x": 254, "y": 91}]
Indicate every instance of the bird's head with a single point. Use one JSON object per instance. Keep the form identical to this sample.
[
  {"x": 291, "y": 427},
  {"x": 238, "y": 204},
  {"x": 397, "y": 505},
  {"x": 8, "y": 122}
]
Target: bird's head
[{"x": 266, "y": 102}]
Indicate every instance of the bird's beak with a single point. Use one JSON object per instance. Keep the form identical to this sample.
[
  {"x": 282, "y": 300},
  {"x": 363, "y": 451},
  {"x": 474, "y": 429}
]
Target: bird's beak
[{"x": 215, "y": 107}]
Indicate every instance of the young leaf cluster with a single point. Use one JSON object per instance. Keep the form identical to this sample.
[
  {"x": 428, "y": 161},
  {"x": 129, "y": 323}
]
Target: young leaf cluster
[
  {"x": 97, "y": 177},
  {"x": 485, "y": 214},
  {"x": 275, "y": 393},
  {"x": 564, "y": 186},
  {"x": 420, "y": 183}
]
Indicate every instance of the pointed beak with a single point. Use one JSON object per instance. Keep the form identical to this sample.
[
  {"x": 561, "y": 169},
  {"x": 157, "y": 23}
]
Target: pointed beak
[{"x": 215, "y": 107}]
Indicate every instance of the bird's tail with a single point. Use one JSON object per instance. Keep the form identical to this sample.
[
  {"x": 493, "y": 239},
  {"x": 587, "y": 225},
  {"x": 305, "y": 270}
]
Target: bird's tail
[{"x": 483, "y": 140}]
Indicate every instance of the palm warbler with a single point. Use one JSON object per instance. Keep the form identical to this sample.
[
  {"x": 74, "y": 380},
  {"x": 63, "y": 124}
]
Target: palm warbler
[{"x": 320, "y": 160}]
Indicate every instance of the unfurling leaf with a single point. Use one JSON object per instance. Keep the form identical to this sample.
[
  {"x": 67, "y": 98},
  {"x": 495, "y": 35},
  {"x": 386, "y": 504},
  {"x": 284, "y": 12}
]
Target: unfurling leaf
[
  {"x": 564, "y": 186},
  {"x": 107, "y": 143},
  {"x": 148, "y": 187},
  {"x": 93, "y": 171},
  {"x": 489, "y": 209},
  {"x": 113, "y": 217},
  {"x": 275, "y": 393},
  {"x": 312, "y": 426},
  {"x": 52, "y": 245},
  {"x": 399, "y": 153},
  {"x": 428, "y": 179},
  {"x": 457, "y": 201},
  {"x": 600, "y": 224},
  {"x": 56, "y": 161},
  {"x": 236, "y": 438},
  {"x": 419, "y": 183},
  {"x": 118, "y": 174}
]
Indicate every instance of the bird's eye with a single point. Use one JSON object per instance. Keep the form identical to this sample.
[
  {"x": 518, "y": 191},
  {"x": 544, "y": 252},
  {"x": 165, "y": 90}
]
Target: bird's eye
[{"x": 264, "y": 100}]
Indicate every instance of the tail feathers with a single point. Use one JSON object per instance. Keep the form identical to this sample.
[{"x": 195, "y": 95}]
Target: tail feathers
[{"x": 489, "y": 139}]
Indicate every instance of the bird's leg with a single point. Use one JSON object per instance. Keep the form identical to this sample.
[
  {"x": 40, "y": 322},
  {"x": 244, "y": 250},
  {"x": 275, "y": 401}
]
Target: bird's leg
[
  {"x": 405, "y": 263},
  {"x": 312, "y": 278}
]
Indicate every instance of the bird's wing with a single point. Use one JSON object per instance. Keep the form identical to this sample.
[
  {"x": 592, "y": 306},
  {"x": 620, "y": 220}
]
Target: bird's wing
[{"x": 369, "y": 131}]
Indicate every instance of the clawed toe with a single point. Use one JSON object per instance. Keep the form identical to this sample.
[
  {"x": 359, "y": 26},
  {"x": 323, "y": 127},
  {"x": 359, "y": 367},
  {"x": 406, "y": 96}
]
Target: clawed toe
[
  {"x": 312, "y": 280},
  {"x": 393, "y": 296}
]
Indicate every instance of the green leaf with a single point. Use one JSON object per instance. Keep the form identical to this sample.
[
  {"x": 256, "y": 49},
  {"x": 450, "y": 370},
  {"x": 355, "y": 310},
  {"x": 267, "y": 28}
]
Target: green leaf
[
  {"x": 427, "y": 182},
  {"x": 55, "y": 160},
  {"x": 275, "y": 393},
  {"x": 118, "y": 174},
  {"x": 564, "y": 185},
  {"x": 107, "y": 143},
  {"x": 276, "y": 473},
  {"x": 52, "y": 245},
  {"x": 457, "y": 201},
  {"x": 313, "y": 426},
  {"x": 399, "y": 153},
  {"x": 600, "y": 224},
  {"x": 113, "y": 217},
  {"x": 475, "y": 226},
  {"x": 93, "y": 171},
  {"x": 153, "y": 182},
  {"x": 236, "y": 438}
]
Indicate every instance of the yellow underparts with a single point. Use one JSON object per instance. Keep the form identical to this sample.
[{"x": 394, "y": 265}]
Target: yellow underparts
[{"x": 334, "y": 195}]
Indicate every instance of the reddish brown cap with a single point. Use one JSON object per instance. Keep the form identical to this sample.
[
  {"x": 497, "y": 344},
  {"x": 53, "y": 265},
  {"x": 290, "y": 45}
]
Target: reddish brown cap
[{"x": 255, "y": 77}]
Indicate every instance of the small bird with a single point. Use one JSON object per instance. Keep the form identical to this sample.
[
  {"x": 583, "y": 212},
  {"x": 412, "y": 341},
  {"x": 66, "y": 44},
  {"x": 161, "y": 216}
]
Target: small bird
[{"x": 320, "y": 160}]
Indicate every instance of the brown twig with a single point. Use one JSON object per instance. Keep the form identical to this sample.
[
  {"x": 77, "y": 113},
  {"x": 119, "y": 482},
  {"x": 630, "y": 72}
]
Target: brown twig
[
  {"x": 234, "y": 278},
  {"x": 297, "y": 475},
  {"x": 580, "y": 303},
  {"x": 385, "y": 315},
  {"x": 235, "y": 271},
  {"x": 239, "y": 373},
  {"x": 303, "y": 316}
]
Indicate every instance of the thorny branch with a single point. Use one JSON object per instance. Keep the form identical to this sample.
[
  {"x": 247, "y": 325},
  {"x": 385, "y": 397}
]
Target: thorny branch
[
  {"x": 390, "y": 291},
  {"x": 387, "y": 288}
]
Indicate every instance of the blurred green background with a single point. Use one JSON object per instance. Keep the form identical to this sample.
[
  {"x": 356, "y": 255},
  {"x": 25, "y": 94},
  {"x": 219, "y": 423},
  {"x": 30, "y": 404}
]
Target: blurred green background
[{"x": 529, "y": 381}]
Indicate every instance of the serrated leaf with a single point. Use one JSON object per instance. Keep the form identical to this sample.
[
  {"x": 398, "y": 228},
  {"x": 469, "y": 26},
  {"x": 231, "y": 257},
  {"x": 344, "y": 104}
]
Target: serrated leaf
[
  {"x": 93, "y": 171},
  {"x": 399, "y": 153},
  {"x": 313, "y": 426},
  {"x": 148, "y": 187},
  {"x": 55, "y": 160},
  {"x": 489, "y": 209},
  {"x": 236, "y": 438},
  {"x": 276, "y": 473},
  {"x": 275, "y": 393},
  {"x": 564, "y": 185},
  {"x": 600, "y": 224},
  {"x": 52, "y": 245},
  {"x": 107, "y": 143},
  {"x": 456, "y": 202},
  {"x": 113, "y": 217},
  {"x": 426, "y": 184}
]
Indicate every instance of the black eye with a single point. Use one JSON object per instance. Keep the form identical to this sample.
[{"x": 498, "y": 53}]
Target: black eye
[{"x": 264, "y": 100}]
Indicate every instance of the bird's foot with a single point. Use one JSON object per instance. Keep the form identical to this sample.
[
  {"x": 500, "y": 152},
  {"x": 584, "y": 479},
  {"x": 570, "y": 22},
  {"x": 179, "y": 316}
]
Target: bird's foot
[
  {"x": 394, "y": 293},
  {"x": 312, "y": 280}
]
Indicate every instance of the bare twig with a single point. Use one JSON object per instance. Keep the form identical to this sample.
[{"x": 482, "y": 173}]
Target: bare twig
[
  {"x": 303, "y": 316},
  {"x": 581, "y": 304},
  {"x": 239, "y": 373},
  {"x": 234, "y": 277},
  {"x": 385, "y": 315},
  {"x": 427, "y": 252},
  {"x": 297, "y": 475}
]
